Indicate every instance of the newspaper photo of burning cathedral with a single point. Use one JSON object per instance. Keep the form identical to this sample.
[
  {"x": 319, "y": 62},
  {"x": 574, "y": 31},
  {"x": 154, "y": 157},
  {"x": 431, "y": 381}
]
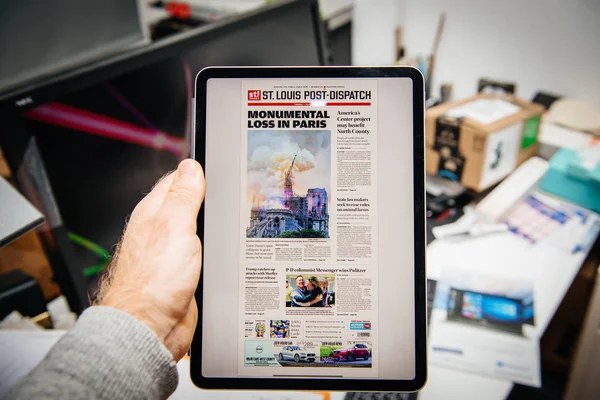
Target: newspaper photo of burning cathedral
[{"x": 291, "y": 215}]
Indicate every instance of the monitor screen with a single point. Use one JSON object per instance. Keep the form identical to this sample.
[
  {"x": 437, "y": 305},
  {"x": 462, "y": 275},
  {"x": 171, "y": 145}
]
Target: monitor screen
[
  {"x": 471, "y": 306},
  {"x": 104, "y": 146},
  {"x": 499, "y": 309},
  {"x": 478, "y": 306}
]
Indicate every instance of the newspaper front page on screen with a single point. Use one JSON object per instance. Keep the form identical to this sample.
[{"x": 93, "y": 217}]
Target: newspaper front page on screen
[{"x": 308, "y": 228}]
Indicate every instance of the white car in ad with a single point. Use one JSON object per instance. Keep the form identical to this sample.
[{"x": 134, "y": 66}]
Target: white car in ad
[{"x": 296, "y": 353}]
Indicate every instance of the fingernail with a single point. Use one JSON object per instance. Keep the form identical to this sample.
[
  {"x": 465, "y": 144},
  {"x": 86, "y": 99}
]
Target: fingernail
[{"x": 187, "y": 167}]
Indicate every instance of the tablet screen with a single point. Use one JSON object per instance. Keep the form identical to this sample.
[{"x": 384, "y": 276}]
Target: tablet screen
[{"x": 309, "y": 246}]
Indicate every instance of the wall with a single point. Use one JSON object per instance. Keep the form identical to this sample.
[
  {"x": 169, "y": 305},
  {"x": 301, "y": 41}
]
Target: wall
[
  {"x": 373, "y": 26},
  {"x": 329, "y": 7},
  {"x": 541, "y": 44}
]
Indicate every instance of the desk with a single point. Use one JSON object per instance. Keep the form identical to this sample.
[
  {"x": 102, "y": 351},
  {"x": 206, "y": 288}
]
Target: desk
[{"x": 552, "y": 271}]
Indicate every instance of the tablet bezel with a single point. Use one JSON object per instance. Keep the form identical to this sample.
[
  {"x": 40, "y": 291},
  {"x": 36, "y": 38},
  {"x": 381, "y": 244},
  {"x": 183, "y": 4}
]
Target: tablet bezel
[{"x": 366, "y": 384}]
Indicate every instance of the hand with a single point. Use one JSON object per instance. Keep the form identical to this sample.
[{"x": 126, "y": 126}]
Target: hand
[
  {"x": 316, "y": 300},
  {"x": 157, "y": 264}
]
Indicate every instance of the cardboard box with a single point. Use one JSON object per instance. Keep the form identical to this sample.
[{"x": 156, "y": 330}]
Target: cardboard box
[{"x": 480, "y": 140}]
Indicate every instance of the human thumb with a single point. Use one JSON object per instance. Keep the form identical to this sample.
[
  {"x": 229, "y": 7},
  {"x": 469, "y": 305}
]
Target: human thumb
[{"x": 185, "y": 195}]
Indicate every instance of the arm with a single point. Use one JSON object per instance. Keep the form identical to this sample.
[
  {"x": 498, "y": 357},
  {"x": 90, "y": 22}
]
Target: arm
[
  {"x": 127, "y": 347},
  {"x": 308, "y": 303},
  {"x": 303, "y": 298},
  {"x": 107, "y": 355},
  {"x": 297, "y": 299}
]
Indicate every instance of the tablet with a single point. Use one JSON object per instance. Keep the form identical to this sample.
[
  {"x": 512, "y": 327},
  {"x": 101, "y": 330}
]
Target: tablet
[{"x": 313, "y": 229}]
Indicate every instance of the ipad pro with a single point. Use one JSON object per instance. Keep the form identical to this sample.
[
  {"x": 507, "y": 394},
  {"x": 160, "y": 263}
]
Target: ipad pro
[{"x": 313, "y": 229}]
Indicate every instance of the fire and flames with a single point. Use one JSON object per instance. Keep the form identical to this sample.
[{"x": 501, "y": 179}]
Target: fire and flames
[{"x": 267, "y": 171}]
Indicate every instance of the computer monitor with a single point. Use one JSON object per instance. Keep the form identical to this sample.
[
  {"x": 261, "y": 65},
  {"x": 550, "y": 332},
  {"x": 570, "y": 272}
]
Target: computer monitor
[{"x": 88, "y": 144}]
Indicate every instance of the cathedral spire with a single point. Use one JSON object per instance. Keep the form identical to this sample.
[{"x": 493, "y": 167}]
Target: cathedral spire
[{"x": 288, "y": 188}]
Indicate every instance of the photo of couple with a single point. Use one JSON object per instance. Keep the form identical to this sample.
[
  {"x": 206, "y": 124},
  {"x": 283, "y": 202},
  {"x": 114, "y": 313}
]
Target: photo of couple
[{"x": 310, "y": 291}]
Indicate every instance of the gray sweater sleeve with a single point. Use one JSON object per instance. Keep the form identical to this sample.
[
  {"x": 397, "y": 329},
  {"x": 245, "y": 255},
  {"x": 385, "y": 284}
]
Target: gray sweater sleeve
[{"x": 107, "y": 355}]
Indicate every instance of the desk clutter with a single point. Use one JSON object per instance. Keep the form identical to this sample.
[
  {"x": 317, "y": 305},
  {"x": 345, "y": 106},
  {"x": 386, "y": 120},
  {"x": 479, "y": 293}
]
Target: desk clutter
[
  {"x": 513, "y": 225},
  {"x": 479, "y": 141},
  {"x": 530, "y": 221}
]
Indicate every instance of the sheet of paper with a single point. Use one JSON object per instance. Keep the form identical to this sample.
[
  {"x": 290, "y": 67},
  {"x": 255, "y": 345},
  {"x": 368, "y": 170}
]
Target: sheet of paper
[
  {"x": 484, "y": 323},
  {"x": 450, "y": 383},
  {"x": 512, "y": 188},
  {"x": 484, "y": 111},
  {"x": 538, "y": 218},
  {"x": 563, "y": 137},
  {"x": 21, "y": 351},
  {"x": 17, "y": 215}
]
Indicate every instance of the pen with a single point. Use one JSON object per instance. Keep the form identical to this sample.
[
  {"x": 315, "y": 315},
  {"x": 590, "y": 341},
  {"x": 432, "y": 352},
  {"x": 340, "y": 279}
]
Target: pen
[{"x": 448, "y": 213}]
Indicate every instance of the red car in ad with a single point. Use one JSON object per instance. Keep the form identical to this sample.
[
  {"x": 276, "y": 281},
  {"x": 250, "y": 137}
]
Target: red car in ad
[{"x": 352, "y": 353}]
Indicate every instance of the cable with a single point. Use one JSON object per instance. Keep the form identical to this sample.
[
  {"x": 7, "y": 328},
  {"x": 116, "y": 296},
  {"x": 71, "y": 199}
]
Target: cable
[
  {"x": 95, "y": 269},
  {"x": 94, "y": 248},
  {"x": 85, "y": 121}
]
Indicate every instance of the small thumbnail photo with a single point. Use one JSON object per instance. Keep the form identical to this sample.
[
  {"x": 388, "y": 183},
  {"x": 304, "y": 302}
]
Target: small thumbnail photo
[{"x": 280, "y": 328}]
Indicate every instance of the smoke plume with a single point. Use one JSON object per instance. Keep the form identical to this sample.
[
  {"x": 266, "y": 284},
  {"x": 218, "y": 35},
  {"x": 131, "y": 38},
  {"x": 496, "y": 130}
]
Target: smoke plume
[{"x": 270, "y": 155}]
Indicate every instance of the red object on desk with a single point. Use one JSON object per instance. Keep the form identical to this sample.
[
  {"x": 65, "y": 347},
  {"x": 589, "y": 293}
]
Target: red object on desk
[
  {"x": 179, "y": 10},
  {"x": 445, "y": 214}
]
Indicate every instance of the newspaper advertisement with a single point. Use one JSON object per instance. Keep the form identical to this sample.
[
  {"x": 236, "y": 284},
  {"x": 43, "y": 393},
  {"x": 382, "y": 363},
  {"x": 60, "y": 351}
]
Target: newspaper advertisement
[{"x": 308, "y": 264}]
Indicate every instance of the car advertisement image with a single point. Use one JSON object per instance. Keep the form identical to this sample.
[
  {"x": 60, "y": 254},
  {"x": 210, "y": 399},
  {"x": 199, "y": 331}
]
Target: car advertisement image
[
  {"x": 295, "y": 354},
  {"x": 259, "y": 353},
  {"x": 268, "y": 353},
  {"x": 347, "y": 354},
  {"x": 352, "y": 353}
]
